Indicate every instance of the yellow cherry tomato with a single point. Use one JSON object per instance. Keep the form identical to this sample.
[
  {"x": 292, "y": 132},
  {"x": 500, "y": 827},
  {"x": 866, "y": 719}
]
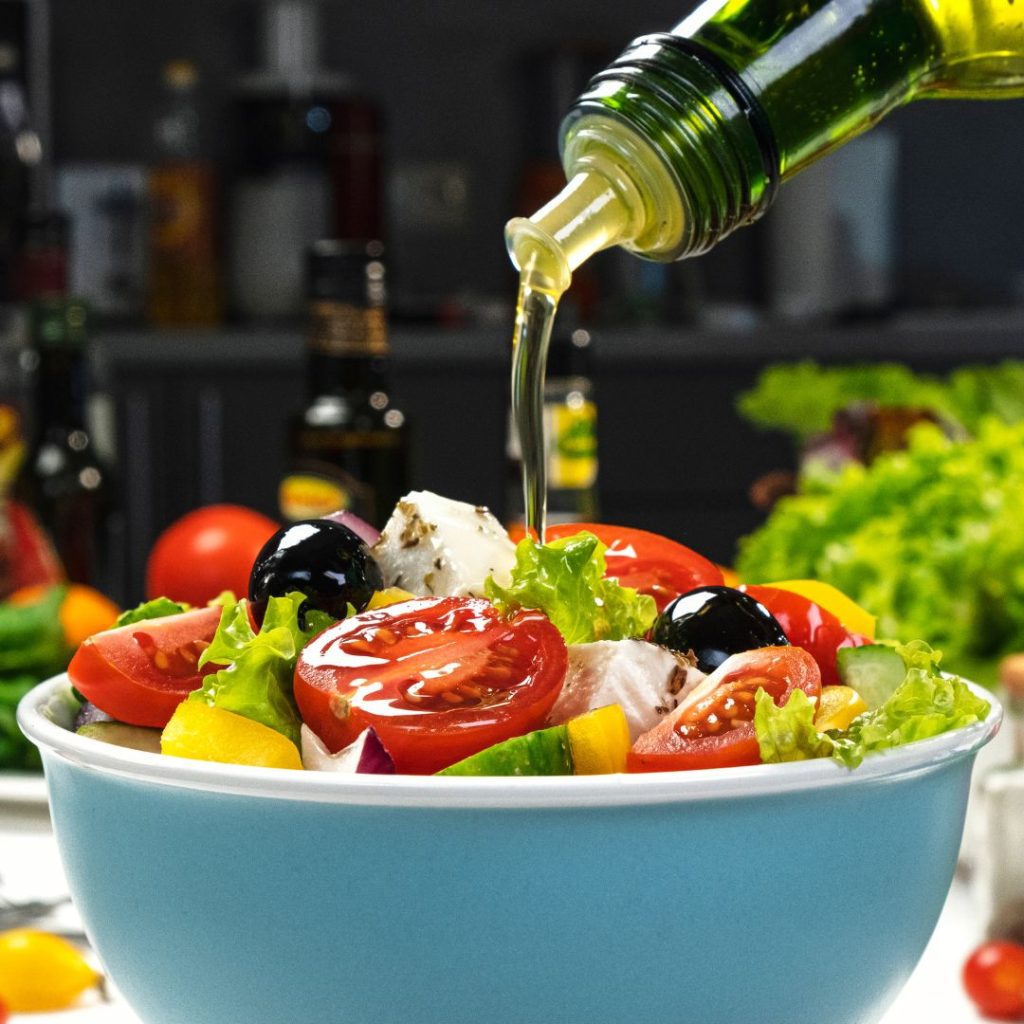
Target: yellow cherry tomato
[
  {"x": 599, "y": 741},
  {"x": 390, "y": 595},
  {"x": 41, "y": 972},
  {"x": 845, "y": 609},
  {"x": 203, "y": 733},
  {"x": 838, "y": 706}
]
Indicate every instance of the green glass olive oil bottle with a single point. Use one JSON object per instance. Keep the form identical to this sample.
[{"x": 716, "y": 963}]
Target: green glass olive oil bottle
[{"x": 689, "y": 134}]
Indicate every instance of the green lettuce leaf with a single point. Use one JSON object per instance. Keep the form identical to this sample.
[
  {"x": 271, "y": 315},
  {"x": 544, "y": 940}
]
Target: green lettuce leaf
[
  {"x": 565, "y": 580},
  {"x": 926, "y": 704},
  {"x": 155, "y": 609},
  {"x": 788, "y": 733},
  {"x": 257, "y": 679}
]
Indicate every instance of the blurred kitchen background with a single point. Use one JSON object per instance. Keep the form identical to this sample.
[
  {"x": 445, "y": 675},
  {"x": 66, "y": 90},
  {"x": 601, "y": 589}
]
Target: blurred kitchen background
[
  {"x": 165, "y": 169},
  {"x": 428, "y": 126}
]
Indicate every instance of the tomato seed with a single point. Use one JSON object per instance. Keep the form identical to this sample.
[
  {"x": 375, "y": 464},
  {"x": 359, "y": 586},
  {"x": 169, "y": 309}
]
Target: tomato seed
[{"x": 340, "y": 705}]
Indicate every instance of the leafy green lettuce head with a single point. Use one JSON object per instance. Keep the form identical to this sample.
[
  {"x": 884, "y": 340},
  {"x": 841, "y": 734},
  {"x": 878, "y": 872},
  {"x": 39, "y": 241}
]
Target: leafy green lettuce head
[
  {"x": 565, "y": 580},
  {"x": 929, "y": 539}
]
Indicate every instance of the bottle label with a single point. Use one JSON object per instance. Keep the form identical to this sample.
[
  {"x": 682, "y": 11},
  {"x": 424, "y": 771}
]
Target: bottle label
[
  {"x": 183, "y": 198},
  {"x": 312, "y": 495},
  {"x": 341, "y": 329},
  {"x": 572, "y": 455}
]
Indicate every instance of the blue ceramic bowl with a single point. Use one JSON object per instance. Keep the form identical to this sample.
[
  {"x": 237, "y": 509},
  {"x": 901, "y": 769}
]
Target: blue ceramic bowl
[{"x": 782, "y": 894}]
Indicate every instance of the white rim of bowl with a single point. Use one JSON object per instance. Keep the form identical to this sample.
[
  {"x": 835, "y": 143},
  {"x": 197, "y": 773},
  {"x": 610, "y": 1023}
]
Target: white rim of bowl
[{"x": 755, "y": 781}]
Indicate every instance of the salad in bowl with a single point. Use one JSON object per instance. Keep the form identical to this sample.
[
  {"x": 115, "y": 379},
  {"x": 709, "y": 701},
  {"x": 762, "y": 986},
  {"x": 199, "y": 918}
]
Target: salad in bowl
[
  {"x": 441, "y": 647},
  {"x": 533, "y": 787}
]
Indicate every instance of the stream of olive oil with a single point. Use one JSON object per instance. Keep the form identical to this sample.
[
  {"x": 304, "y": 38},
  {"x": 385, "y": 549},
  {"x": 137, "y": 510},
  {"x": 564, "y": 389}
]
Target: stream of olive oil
[{"x": 535, "y": 316}]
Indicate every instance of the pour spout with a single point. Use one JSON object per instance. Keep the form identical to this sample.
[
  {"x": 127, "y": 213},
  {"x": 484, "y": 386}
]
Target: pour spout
[{"x": 586, "y": 216}]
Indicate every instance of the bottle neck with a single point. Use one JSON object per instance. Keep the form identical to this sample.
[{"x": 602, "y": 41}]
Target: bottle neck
[
  {"x": 61, "y": 388},
  {"x": 348, "y": 348}
]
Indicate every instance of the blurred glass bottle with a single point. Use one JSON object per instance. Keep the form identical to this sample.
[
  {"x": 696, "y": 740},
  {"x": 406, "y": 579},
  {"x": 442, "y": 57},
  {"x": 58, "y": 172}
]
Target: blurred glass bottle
[
  {"x": 62, "y": 480},
  {"x": 307, "y": 163},
  {"x": 184, "y": 275},
  {"x": 20, "y": 155},
  {"x": 689, "y": 133},
  {"x": 349, "y": 449},
  {"x": 570, "y": 431}
]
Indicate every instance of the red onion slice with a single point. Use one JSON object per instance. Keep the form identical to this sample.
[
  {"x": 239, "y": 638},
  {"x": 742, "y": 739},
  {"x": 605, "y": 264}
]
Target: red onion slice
[
  {"x": 366, "y": 755},
  {"x": 360, "y": 527}
]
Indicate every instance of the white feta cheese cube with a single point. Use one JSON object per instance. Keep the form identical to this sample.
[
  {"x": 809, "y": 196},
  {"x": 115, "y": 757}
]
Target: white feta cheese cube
[{"x": 434, "y": 546}]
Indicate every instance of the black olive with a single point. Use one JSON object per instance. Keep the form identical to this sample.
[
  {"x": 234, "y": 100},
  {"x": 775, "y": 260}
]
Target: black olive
[
  {"x": 714, "y": 622},
  {"x": 322, "y": 559}
]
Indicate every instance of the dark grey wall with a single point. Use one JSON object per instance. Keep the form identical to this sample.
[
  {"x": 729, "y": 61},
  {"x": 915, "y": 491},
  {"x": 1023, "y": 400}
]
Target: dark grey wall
[{"x": 447, "y": 73}]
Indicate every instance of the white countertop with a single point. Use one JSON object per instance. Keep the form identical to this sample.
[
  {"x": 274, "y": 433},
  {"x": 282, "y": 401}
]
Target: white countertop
[{"x": 30, "y": 869}]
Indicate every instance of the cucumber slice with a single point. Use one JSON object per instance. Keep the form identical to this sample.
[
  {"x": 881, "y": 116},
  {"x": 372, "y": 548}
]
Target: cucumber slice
[
  {"x": 121, "y": 734},
  {"x": 874, "y": 671},
  {"x": 542, "y": 752}
]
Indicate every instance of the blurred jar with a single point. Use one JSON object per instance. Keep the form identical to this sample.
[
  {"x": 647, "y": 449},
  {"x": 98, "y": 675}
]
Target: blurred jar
[{"x": 999, "y": 855}]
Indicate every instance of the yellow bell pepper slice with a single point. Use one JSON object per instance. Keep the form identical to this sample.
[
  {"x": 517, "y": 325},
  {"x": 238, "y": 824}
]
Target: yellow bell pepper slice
[
  {"x": 40, "y": 972},
  {"x": 845, "y": 609},
  {"x": 390, "y": 595},
  {"x": 599, "y": 741},
  {"x": 204, "y": 733},
  {"x": 838, "y": 706}
]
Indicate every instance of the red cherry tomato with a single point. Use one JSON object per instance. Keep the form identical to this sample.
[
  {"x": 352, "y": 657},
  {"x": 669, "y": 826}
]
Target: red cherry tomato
[
  {"x": 714, "y": 726},
  {"x": 437, "y": 678},
  {"x": 140, "y": 673},
  {"x": 206, "y": 552},
  {"x": 809, "y": 626},
  {"x": 994, "y": 979},
  {"x": 646, "y": 561}
]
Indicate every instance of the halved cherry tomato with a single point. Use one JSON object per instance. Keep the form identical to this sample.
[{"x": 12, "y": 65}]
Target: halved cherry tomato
[
  {"x": 809, "y": 626},
  {"x": 646, "y": 561},
  {"x": 140, "y": 673},
  {"x": 439, "y": 679},
  {"x": 994, "y": 979},
  {"x": 714, "y": 725}
]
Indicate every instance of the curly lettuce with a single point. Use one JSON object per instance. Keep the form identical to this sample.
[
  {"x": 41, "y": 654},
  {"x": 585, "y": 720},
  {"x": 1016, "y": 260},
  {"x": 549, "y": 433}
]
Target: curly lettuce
[
  {"x": 803, "y": 398},
  {"x": 155, "y": 609},
  {"x": 925, "y": 704},
  {"x": 565, "y": 580},
  {"x": 256, "y": 681}
]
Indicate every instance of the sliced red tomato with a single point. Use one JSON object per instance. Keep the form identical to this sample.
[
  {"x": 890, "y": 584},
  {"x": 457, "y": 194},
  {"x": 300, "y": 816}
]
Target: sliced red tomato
[
  {"x": 437, "y": 678},
  {"x": 714, "y": 726},
  {"x": 140, "y": 673},
  {"x": 646, "y": 561},
  {"x": 809, "y": 626}
]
